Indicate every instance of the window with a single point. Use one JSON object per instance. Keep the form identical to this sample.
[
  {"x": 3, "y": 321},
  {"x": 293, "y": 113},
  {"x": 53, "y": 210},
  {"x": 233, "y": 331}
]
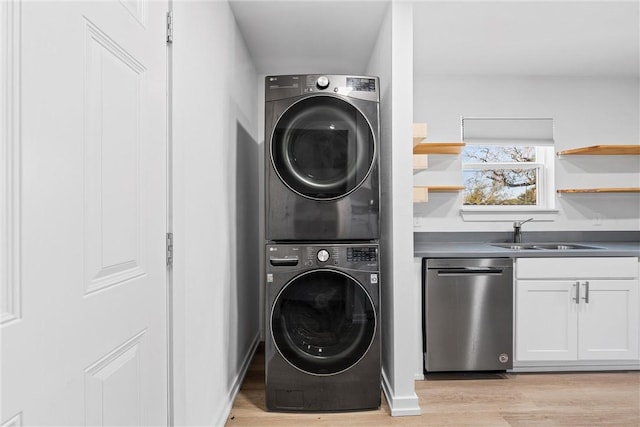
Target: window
[{"x": 508, "y": 163}]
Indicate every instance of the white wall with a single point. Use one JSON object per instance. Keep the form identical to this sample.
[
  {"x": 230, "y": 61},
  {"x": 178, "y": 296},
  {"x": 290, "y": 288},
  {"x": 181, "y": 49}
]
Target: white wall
[
  {"x": 586, "y": 111},
  {"x": 216, "y": 266},
  {"x": 392, "y": 61}
]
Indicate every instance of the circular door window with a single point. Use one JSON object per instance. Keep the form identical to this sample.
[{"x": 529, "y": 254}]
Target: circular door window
[
  {"x": 323, "y": 322},
  {"x": 322, "y": 147}
]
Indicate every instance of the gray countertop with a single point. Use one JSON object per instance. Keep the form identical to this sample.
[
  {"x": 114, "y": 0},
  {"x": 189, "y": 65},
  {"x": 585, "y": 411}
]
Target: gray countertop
[
  {"x": 484, "y": 250},
  {"x": 481, "y": 245}
]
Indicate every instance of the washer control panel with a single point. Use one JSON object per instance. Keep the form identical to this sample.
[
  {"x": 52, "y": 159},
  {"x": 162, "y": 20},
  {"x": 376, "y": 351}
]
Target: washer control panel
[
  {"x": 361, "y": 256},
  {"x": 348, "y": 256}
]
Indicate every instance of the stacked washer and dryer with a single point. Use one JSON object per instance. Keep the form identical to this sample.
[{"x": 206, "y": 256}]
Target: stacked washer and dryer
[{"x": 322, "y": 326}]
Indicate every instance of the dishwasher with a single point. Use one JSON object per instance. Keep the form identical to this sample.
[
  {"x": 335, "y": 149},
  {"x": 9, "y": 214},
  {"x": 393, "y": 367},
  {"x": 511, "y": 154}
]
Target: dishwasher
[{"x": 468, "y": 314}]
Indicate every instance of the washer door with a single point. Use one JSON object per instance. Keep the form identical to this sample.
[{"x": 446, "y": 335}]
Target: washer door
[
  {"x": 322, "y": 148},
  {"x": 323, "y": 322}
]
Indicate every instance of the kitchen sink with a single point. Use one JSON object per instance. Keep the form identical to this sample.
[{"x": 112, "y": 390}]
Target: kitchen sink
[
  {"x": 544, "y": 246},
  {"x": 514, "y": 246},
  {"x": 564, "y": 246}
]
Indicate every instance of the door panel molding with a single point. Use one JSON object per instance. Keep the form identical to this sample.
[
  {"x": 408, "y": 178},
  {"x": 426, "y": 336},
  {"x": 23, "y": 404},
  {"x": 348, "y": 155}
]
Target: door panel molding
[
  {"x": 10, "y": 163},
  {"x": 112, "y": 386},
  {"x": 137, "y": 9},
  {"x": 113, "y": 80},
  {"x": 15, "y": 421}
]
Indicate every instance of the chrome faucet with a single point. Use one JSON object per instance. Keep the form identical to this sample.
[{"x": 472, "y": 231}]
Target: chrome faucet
[{"x": 517, "y": 232}]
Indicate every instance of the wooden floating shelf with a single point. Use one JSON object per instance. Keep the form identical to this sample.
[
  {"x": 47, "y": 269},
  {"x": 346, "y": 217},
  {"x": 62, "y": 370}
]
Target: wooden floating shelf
[
  {"x": 438, "y": 148},
  {"x": 445, "y": 188},
  {"x": 421, "y": 193},
  {"x": 604, "y": 150},
  {"x": 600, "y": 190}
]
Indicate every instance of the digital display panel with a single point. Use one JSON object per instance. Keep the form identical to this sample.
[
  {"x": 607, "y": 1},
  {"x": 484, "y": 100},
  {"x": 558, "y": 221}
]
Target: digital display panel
[
  {"x": 361, "y": 254},
  {"x": 361, "y": 84}
]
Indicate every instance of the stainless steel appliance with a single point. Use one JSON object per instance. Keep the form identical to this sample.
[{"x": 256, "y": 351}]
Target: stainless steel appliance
[
  {"x": 322, "y": 338},
  {"x": 468, "y": 314},
  {"x": 322, "y": 145}
]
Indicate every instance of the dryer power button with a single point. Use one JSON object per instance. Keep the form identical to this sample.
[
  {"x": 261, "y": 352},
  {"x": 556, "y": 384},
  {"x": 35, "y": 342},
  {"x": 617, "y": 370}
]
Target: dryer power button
[
  {"x": 323, "y": 255},
  {"x": 322, "y": 82}
]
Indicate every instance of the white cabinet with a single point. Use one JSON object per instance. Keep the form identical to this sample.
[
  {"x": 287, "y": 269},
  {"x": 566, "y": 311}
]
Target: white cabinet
[
  {"x": 577, "y": 309},
  {"x": 608, "y": 322},
  {"x": 546, "y": 321}
]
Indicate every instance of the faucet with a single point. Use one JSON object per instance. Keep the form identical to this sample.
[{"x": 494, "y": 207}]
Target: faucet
[{"x": 517, "y": 234}]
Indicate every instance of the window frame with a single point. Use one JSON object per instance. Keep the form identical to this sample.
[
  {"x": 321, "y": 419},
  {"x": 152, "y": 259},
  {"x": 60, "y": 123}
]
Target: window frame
[{"x": 545, "y": 182}]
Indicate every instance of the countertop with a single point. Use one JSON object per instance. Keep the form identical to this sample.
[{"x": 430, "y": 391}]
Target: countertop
[
  {"x": 481, "y": 244},
  {"x": 487, "y": 250}
]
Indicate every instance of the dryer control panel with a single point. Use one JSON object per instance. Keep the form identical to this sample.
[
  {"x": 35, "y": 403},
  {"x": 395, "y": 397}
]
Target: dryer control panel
[{"x": 288, "y": 86}]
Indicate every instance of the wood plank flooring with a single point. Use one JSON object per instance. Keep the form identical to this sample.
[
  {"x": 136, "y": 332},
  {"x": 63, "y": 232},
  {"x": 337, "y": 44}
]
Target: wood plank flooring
[{"x": 563, "y": 399}]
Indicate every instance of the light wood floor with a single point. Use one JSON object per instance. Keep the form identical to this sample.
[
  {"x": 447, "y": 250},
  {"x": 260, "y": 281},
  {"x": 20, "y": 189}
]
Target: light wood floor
[{"x": 565, "y": 399}]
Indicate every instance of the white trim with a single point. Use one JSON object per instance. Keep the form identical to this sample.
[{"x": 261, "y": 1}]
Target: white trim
[
  {"x": 576, "y": 365},
  {"x": 400, "y": 406},
  {"x": 508, "y": 130},
  {"x": 501, "y": 165},
  {"x": 169, "y": 198},
  {"x": 513, "y": 213},
  {"x": 221, "y": 419},
  {"x": 10, "y": 161}
]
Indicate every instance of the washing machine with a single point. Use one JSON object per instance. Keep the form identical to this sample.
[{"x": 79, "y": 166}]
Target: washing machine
[
  {"x": 322, "y": 327},
  {"x": 322, "y": 146}
]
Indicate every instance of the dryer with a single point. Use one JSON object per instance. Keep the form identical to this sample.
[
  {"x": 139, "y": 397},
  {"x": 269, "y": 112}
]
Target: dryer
[
  {"x": 322, "y": 327},
  {"x": 322, "y": 146}
]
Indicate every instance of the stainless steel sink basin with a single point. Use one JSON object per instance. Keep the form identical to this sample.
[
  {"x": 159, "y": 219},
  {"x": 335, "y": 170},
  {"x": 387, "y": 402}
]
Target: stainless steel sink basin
[
  {"x": 564, "y": 246},
  {"x": 544, "y": 246},
  {"x": 515, "y": 246}
]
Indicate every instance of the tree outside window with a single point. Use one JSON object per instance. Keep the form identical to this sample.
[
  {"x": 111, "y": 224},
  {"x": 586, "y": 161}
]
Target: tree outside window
[
  {"x": 508, "y": 163},
  {"x": 501, "y": 175}
]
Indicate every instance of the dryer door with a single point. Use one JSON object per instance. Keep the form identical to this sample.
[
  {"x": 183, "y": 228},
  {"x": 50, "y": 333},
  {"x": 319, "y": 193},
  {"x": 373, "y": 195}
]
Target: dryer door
[
  {"x": 322, "y": 147},
  {"x": 323, "y": 322}
]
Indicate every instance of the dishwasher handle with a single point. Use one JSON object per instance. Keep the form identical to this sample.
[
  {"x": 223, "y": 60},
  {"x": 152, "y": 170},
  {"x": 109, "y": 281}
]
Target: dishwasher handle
[{"x": 470, "y": 271}]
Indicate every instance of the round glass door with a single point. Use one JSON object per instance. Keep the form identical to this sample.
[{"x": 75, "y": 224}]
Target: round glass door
[
  {"x": 323, "y": 322},
  {"x": 322, "y": 147}
]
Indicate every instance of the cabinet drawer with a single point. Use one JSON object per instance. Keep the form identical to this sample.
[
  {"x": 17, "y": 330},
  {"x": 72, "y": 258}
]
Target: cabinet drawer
[{"x": 577, "y": 268}]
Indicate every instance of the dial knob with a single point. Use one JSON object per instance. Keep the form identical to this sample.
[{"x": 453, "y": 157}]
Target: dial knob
[
  {"x": 323, "y": 255},
  {"x": 322, "y": 82}
]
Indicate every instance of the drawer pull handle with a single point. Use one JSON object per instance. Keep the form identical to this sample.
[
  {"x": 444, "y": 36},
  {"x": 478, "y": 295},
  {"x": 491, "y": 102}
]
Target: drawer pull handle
[
  {"x": 586, "y": 292},
  {"x": 576, "y": 298}
]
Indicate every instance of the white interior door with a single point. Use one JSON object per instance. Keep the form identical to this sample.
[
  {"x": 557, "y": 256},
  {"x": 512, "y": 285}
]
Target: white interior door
[{"x": 84, "y": 333}]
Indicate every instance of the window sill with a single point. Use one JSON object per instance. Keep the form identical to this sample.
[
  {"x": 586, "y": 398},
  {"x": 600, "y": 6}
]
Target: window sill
[{"x": 506, "y": 214}]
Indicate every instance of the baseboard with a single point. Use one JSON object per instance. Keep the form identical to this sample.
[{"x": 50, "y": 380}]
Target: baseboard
[
  {"x": 580, "y": 366},
  {"x": 237, "y": 382},
  {"x": 400, "y": 406}
]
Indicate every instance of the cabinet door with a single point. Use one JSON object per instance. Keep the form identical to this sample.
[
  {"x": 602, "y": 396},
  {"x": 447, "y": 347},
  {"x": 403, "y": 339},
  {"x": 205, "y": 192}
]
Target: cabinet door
[
  {"x": 608, "y": 325},
  {"x": 546, "y": 320}
]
